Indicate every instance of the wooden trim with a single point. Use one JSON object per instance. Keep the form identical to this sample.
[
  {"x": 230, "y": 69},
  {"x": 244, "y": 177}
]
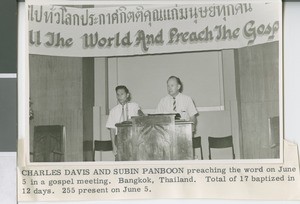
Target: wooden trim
[
  {"x": 238, "y": 98},
  {"x": 106, "y": 87},
  {"x": 221, "y": 79}
]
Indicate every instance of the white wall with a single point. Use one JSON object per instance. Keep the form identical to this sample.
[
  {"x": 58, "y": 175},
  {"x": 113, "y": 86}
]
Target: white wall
[
  {"x": 222, "y": 123},
  {"x": 146, "y": 76}
]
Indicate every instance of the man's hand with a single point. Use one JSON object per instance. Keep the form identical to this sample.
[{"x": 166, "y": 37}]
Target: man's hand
[
  {"x": 115, "y": 150},
  {"x": 112, "y": 137}
]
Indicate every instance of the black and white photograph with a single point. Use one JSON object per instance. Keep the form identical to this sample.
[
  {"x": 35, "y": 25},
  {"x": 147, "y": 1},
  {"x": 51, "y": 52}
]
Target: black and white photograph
[
  {"x": 126, "y": 100},
  {"x": 204, "y": 85}
]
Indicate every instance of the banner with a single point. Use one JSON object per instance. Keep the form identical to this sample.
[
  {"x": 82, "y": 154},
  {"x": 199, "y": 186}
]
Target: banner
[{"x": 148, "y": 29}]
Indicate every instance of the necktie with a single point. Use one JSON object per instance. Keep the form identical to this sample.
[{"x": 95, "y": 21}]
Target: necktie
[
  {"x": 126, "y": 112},
  {"x": 174, "y": 104},
  {"x": 123, "y": 114}
]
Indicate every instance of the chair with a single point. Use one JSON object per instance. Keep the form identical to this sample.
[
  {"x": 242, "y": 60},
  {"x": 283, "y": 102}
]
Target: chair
[
  {"x": 102, "y": 146},
  {"x": 197, "y": 144},
  {"x": 220, "y": 142},
  {"x": 49, "y": 143}
]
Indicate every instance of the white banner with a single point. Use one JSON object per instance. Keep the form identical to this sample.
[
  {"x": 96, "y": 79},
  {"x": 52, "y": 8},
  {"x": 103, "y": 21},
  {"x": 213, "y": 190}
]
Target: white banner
[{"x": 148, "y": 29}]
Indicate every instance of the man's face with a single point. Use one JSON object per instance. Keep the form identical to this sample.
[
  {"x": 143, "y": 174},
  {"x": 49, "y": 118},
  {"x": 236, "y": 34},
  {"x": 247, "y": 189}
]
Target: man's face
[
  {"x": 122, "y": 96},
  {"x": 173, "y": 87}
]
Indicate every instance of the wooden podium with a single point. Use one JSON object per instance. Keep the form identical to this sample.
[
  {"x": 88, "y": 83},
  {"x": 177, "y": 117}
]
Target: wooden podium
[{"x": 154, "y": 139}]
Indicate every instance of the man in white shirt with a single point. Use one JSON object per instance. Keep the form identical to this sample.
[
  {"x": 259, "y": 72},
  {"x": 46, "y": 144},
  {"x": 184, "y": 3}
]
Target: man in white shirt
[
  {"x": 121, "y": 112},
  {"x": 176, "y": 102}
]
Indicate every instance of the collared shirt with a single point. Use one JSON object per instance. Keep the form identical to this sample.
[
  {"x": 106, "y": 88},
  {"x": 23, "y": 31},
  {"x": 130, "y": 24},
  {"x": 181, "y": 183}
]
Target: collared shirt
[
  {"x": 115, "y": 114},
  {"x": 184, "y": 106}
]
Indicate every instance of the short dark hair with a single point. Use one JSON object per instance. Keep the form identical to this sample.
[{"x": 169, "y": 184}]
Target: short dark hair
[
  {"x": 178, "y": 81},
  {"x": 122, "y": 87}
]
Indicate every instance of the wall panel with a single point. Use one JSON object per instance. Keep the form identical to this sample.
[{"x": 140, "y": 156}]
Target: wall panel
[{"x": 258, "y": 91}]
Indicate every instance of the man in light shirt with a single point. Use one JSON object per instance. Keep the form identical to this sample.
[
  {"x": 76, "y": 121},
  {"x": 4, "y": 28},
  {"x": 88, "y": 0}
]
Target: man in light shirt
[
  {"x": 121, "y": 112},
  {"x": 176, "y": 102}
]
